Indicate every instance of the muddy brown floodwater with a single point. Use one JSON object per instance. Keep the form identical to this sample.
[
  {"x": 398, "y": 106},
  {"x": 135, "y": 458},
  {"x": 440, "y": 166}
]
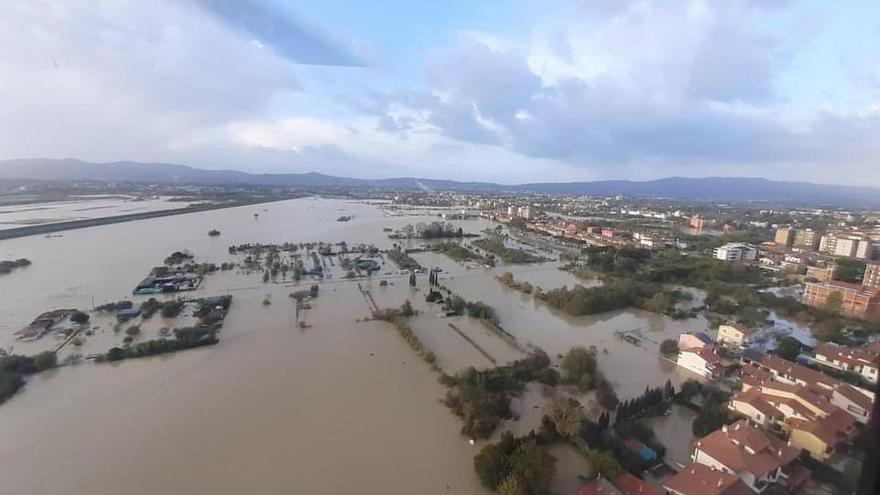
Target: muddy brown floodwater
[{"x": 339, "y": 406}]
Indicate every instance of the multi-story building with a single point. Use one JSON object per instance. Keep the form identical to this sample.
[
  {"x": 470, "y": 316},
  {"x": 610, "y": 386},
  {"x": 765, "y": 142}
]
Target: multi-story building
[
  {"x": 807, "y": 238},
  {"x": 856, "y": 301},
  {"x": 784, "y": 237},
  {"x": 736, "y": 252},
  {"x": 865, "y": 251},
  {"x": 848, "y": 246},
  {"x": 758, "y": 459},
  {"x": 703, "y": 361},
  {"x": 862, "y": 360},
  {"x": 871, "y": 279},
  {"x": 736, "y": 334},
  {"x": 822, "y": 274}
]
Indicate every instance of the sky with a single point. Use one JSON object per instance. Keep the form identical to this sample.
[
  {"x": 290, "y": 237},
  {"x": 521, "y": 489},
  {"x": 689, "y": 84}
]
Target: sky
[{"x": 503, "y": 91}]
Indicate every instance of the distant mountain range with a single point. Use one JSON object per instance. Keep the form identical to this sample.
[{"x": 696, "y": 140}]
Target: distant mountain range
[{"x": 708, "y": 188}]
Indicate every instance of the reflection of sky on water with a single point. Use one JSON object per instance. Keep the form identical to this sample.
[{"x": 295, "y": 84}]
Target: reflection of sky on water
[{"x": 765, "y": 338}]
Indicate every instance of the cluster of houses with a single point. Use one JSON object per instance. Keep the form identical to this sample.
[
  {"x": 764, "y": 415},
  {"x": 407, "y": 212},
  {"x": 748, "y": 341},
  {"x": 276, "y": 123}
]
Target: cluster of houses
[
  {"x": 785, "y": 409},
  {"x": 591, "y": 235}
]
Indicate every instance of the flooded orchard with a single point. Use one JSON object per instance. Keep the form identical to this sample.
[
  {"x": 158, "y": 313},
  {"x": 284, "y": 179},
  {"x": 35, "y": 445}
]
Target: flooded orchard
[{"x": 315, "y": 401}]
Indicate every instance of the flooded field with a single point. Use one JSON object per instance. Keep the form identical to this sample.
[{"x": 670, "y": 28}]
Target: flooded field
[
  {"x": 80, "y": 209},
  {"x": 276, "y": 407}
]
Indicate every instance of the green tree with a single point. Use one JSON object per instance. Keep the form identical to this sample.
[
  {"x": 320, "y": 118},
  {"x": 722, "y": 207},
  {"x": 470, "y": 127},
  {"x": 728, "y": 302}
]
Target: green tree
[
  {"x": 491, "y": 464},
  {"x": 512, "y": 485},
  {"x": 605, "y": 464},
  {"x": 79, "y": 317},
  {"x": 45, "y": 360},
  {"x": 577, "y": 364},
  {"x": 565, "y": 414},
  {"x": 606, "y": 396},
  {"x": 834, "y": 303},
  {"x": 535, "y": 467},
  {"x": 669, "y": 347},
  {"x": 506, "y": 278},
  {"x": 690, "y": 388},
  {"x": 406, "y": 309},
  {"x": 788, "y": 348}
]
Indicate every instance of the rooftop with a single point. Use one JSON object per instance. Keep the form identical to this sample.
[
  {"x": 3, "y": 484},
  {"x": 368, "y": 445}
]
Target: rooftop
[{"x": 697, "y": 479}]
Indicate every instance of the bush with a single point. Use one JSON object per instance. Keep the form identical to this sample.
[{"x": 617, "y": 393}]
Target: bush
[
  {"x": 79, "y": 317},
  {"x": 515, "y": 466}
]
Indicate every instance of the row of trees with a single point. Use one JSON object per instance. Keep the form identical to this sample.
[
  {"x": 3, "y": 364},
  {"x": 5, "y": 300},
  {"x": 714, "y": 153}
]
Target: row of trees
[
  {"x": 652, "y": 401},
  {"x": 507, "y": 279},
  {"x": 494, "y": 244},
  {"x": 615, "y": 294},
  {"x": 474, "y": 309},
  {"x": 184, "y": 338},
  {"x": 481, "y": 398},
  {"x": 15, "y": 367}
]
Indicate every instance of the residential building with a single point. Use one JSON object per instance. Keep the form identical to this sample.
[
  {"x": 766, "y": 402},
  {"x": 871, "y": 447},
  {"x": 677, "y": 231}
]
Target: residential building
[
  {"x": 857, "y": 301},
  {"x": 822, "y": 274},
  {"x": 811, "y": 421},
  {"x": 690, "y": 340},
  {"x": 821, "y": 439},
  {"x": 849, "y": 246},
  {"x": 865, "y": 251},
  {"x": 758, "y": 459},
  {"x": 807, "y": 239},
  {"x": 699, "y": 479},
  {"x": 700, "y": 223},
  {"x": 871, "y": 279},
  {"x": 703, "y": 361},
  {"x": 599, "y": 486},
  {"x": 630, "y": 485},
  {"x": 736, "y": 334},
  {"x": 784, "y": 237},
  {"x": 855, "y": 401},
  {"x": 736, "y": 252},
  {"x": 626, "y": 484},
  {"x": 862, "y": 360}
]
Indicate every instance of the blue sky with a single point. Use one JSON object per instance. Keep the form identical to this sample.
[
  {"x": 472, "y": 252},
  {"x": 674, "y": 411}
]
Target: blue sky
[{"x": 502, "y": 91}]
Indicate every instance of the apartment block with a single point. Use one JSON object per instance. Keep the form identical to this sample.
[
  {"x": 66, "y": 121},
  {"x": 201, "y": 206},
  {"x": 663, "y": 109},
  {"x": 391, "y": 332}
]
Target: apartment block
[{"x": 857, "y": 301}]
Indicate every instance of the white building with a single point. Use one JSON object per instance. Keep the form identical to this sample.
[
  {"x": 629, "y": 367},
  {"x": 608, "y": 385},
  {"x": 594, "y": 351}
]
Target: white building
[
  {"x": 702, "y": 361},
  {"x": 736, "y": 252}
]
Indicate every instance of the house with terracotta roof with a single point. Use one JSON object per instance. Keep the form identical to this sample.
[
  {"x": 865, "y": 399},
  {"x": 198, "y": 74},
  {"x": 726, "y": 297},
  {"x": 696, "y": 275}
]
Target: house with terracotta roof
[
  {"x": 691, "y": 340},
  {"x": 777, "y": 369},
  {"x": 810, "y": 420},
  {"x": 699, "y": 479},
  {"x": 823, "y": 437},
  {"x": 703, "y": 361},
  {"x": 599, "y": 486},
  {"x": 764, "y": 369},
  {"x": 758, "y": 459},
  {"x": 628, "y": 484},
  {"x": 752, "y": 405},
  {"x": 734, "y": 335},
  {"x": 856, "y": 401},
  {"x": 862, "y": 360}
]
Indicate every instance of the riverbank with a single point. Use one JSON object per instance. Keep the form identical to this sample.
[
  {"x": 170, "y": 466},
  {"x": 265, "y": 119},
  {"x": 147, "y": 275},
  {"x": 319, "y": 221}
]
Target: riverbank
[{"x": 93, "y": 222}]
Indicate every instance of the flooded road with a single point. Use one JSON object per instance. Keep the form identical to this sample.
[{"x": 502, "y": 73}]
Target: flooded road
[{"x": 274, "y": 408}]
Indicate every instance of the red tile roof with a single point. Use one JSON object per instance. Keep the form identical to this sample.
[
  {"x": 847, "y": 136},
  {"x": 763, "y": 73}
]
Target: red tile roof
[
  {"x": 741, "y": 447},
  {"x": 630, "y": 485},
  {"x": 697, "y": 479}
]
